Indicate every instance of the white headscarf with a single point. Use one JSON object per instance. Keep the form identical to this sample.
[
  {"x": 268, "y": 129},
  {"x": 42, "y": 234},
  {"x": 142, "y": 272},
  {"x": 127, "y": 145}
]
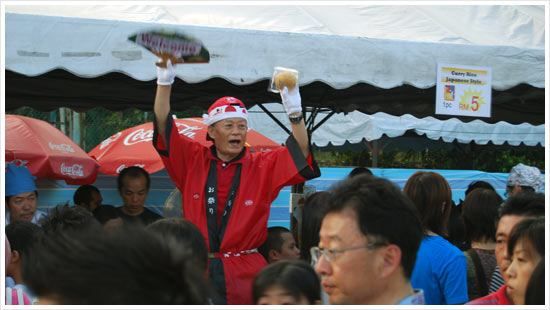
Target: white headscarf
[{"x": 524, "y": 175}]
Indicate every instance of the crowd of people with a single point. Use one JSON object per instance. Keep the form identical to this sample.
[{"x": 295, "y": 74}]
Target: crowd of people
[{"x": 364, "y": 241}]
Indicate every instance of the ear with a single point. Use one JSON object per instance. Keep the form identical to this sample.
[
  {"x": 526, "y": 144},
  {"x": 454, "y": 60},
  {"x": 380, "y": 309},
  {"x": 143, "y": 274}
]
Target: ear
[
  {"x": 391, "y": 260},
  {"x": 210, "y": 131},
  {"x": 15, "y": 257},
  {"x": 15, "y": 261},
  {"x": 274, "y": 255}
]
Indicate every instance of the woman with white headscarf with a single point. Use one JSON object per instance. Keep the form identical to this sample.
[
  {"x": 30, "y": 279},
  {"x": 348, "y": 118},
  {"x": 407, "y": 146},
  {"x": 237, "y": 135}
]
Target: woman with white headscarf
[{"x": 524, "y": 178}]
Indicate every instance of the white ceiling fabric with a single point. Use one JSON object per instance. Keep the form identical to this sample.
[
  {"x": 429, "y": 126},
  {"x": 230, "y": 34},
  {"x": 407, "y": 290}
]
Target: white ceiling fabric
[
  {"x": 382, "y": 45},
  {"x": 356, "y": 126}
]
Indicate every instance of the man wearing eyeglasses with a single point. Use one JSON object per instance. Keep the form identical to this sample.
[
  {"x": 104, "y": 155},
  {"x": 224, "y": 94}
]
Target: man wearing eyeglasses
[{"x": 368, "y": 243}]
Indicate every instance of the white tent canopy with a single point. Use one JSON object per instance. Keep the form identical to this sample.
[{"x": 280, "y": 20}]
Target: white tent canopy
[
  {"x": 356, "y": 126},
  {"x": 385, "y": 46}
]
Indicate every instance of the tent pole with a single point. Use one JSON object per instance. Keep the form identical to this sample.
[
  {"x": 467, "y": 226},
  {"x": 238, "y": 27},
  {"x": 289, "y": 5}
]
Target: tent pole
[
  {"x": 274, "y": 118},
  {"x": 75, "y": 134},
  {"x": 326, "y": 118},
  {"x": 62, "y": 124},
  {"x": 375, "y": 152}
]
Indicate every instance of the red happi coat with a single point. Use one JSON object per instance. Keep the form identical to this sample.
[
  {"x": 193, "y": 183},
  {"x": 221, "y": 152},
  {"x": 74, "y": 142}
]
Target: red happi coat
[{"x": 263, "y": 175}]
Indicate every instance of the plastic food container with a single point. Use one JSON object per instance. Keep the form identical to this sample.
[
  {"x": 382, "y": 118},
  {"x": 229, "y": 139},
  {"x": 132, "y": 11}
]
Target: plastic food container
[{"x": 283, "y": 77}]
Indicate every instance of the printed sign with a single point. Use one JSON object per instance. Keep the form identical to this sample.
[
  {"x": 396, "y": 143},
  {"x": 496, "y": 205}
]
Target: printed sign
[
  {"x": 463, "y": 90},
  {"x": 177, "y": 45}
]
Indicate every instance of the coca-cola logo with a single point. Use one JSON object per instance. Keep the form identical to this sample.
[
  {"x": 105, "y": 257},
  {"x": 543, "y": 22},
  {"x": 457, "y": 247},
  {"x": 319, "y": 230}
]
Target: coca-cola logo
[
  {"x": 61, "y": 147},
  {"x": 75, "y": 170},
  {"x": 109, "y": 140},
  {"x": 138, "y": 136},
  {"x": 188, "y": 131},
  {"x": 123, "y": 166}
]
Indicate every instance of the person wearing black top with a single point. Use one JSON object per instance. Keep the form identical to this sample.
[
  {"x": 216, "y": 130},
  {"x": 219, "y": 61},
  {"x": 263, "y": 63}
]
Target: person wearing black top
[
  {"x": 89, "y": 197},
  {"x": 133, "y": 187}
]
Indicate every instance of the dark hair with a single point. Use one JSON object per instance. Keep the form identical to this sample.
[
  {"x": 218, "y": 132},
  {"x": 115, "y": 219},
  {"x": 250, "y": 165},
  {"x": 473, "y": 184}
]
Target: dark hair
[
  {"x": 83, "y": 195},
  {"x": 530, "y": 230},
  {"x": 527, "y": 204},
  {"x": 535, "y": 292},
  {"x": 429, "y": 191},
  {"x": 315, "y": 206},
  {"x": 65, "y": 218},
  {"x": 132, "y": 172},
  {"x": 295, "y": 276},
  {"x": 187, "y": 235},
  {"x": 22, "y": 236},
  {"x": 455, "y": 227},
  {"x": 274, "y": 241},
  {"x": 383, "y": 211},
  {"x": 126, "y": 266},
  {"x": 359, "y": 171},
  {"x": 480, "y": 211},
  {"x": 478, "y": 184}
]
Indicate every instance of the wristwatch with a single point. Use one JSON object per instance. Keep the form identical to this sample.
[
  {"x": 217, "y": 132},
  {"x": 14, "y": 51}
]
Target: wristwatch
[{"x": 295, "y": 118}]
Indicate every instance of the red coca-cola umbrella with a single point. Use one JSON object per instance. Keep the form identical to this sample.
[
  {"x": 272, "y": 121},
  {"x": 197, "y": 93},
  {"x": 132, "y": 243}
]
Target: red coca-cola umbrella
[
  {"x": 47, "y": 152},
  {"x": 133, "y": 146}
]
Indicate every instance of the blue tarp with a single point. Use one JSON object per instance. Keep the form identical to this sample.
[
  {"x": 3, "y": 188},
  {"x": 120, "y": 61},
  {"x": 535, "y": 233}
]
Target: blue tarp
[
  {"x": 52, "y": 193},
  {"x": 458, "y": 180}
]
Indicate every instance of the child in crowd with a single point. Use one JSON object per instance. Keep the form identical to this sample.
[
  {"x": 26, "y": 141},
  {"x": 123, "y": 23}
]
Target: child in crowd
[
  {"x": 279, "y": 245},
  {"x": 22, "y": 236},
  {"x": 287, "y": 282},
  {"x": 14, "y": 296}
]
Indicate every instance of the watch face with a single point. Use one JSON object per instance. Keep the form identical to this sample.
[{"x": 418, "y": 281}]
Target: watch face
[{"x": 296, "y": 119}]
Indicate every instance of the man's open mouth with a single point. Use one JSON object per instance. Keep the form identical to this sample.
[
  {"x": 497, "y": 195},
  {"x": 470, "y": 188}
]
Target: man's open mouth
[{"x": 235, "y": 142}]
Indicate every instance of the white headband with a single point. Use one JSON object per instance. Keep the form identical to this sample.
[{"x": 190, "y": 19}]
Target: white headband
[{"x": 224, "y": 112}]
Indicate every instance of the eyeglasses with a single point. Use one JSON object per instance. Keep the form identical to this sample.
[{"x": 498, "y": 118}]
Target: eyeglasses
[{"x": 331, "y": 254}]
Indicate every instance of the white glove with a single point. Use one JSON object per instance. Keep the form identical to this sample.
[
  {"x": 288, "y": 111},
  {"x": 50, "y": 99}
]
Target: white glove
[
  {"x": 291, "y": 100},
  {"x": 165, "y": 76}
]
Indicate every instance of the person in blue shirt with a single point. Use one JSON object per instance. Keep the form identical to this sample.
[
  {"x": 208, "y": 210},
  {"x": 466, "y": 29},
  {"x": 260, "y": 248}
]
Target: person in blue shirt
[{"x": 440, "y": 268}]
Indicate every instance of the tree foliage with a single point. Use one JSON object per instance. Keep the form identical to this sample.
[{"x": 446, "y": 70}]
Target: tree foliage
[
  {"x": 98, "y": 124},
  {"x": 489, "y": 158}
]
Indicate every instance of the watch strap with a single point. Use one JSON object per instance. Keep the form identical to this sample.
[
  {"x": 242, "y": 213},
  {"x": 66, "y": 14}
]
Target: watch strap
[{"x": 296, "y": 119}]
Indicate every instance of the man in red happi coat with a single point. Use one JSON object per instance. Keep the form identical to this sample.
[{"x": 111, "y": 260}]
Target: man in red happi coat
[{"x": 227, "y": 190}]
